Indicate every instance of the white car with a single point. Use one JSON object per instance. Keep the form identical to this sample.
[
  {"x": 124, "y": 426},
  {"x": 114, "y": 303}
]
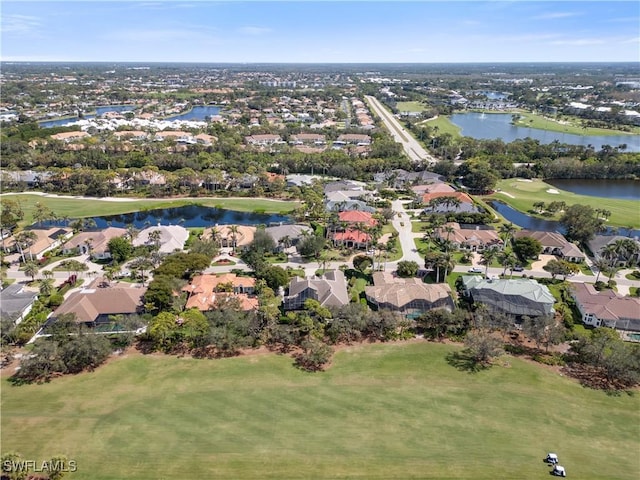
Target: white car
[
  {"x": 558, "y": 471},
  {"x": 551, "y": 458},
  {"x": 475, "y": 270}
]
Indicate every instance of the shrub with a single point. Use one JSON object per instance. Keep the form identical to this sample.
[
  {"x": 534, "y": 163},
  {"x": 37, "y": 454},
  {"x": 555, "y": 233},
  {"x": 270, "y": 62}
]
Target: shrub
[{"x": 56, "y": 300}]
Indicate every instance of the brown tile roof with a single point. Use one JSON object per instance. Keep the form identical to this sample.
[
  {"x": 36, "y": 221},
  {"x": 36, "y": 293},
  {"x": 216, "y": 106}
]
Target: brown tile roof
[
  {"x": 399, "y": 292},
  {"x": 356, "y": 216},
  {"x": 203, "y": 294},
  {"x": 463, "y": 197},
  {"x": 607, "y": 304},
  {"x": 88, "y": 304}
]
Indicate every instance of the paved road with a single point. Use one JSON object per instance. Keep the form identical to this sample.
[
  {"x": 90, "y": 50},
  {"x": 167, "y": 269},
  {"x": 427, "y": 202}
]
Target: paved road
[{"x": 411, "y": 146}]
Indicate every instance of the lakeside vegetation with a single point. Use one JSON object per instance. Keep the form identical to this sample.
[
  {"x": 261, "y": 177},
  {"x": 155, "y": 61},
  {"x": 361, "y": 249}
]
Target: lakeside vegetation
[
  {"x": 568, "y": 124},
  {"x": 82, "y": 207},
  {"x": 522, "y": 195},
  {"x": 414, "y": 414}
]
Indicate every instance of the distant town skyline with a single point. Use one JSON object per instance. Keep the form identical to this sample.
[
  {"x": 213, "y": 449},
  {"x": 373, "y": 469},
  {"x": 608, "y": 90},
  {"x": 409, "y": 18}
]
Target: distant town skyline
[{"x": 320, "y": 31}]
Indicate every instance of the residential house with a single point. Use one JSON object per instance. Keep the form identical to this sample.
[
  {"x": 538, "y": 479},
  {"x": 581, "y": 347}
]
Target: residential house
[
  {"x": 432, "y": 187},
  {"x": 599, "y": 242},
  {"x": 355, "y": 217},
  {"x": 554, "y": 243},
  {"x": 352, "y": 235},
  {"x": 16, "y": 301},
  {"x": 207, "y": 292},
  {"x": 70, "y": 136},
  {"x": 288, "y": 234},
  {"x": 93, "y": 306},
  {"x": 456, "y": 202},
  {"x": 409, "y": 296},
  {"x": 314, "y": 139},
  {"x": 235, "y": 236},
  {"x": 170, "y": 239},
  {"x": 264, "y": 140},
  {"x": 606, "y": 308},
  {"x": 400, "y": 178},
  {"x": 46, "y": 239},
  {"x": 517, "y": 296},
  {"x": 95, "y": 243},
  {"x": 472, "y": 239},
  {"x": 330, "y": 290},
  {"x": 354, "y": 139}
]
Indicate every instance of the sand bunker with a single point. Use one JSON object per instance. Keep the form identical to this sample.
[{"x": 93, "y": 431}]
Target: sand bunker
[{"x": 552, "y": 190}]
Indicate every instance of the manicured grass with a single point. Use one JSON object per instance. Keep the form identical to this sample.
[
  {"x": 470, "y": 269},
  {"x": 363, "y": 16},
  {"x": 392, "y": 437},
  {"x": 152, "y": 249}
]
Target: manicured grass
[
  {"x": 444, "y": 126},
  {"x": 566, "y": 124},
  {"x": 75, "y": 208},
  {"x": 410, "y": 107},
  {"x": 623, "y": 212},
  {"x": 380, "y": 412}
]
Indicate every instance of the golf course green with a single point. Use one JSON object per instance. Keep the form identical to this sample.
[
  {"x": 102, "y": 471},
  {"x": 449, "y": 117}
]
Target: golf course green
[{"x": 384, "y": 411}]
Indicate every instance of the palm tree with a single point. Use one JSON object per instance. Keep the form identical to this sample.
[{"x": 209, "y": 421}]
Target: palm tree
[
  {"x": 233, "y": 229},
  {"x": 602, "y": 265},
  {"x": 31, "y": 268},
  {"x": 447, "y": 263},
  {"x": 25, "y": 239},
  {"x": 488, "y": 256},
  {"x": 48, "y": 274},
  {"x": 508, "y": 260},
  {"x": 155, "y": 236},
  {"x": 507, "y": 229},
  {"x": 132, "y": 232},
  {"x": 46, "y": 287}
]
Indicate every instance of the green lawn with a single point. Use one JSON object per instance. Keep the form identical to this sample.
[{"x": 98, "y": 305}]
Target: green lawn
[
  {"x": 565, "y": 125},
  {"x": 444, "y": 126},
  {"x": 380, "y": 412},
  {"x": 623, "y": 212},
  {"x": 74, "y": 208},
  {"x": 410, "y": 106}
]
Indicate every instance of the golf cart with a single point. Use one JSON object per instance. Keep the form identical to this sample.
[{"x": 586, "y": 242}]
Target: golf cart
[
  {"x": 558, "y": 471},
  {"x": 552, "y": 458}
]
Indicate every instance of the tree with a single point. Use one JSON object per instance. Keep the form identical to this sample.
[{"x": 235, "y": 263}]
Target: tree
[
  {"x": 315, "y": 354},
  {"x": 311, "y": 246},
  {"x": 478, "y": 175},
  {"x": 482, "y": 346},
  {"x": 507, "y": 230},
  {"x": 275, "y": 277},
  {"x": 120, "y": 249},
  {"x": 362, "y": 262},
  {"x": 581, "y": 222},
  {"x": 85, "y": 351},
  {"x": 488, "y": 256},
  {"x": 527, "y": 247},
  {"x": 407, "y": 269},
  {"x": 560, "y": 267},
  {"x": 10, "y": 214},
  {"x": 24, "y": 240},
  {"x": 43, "y": 213},
  {"x": 440, "y": 323},
  {"x": 46, "y": 287},
  {"x": 543, "y": 330},
  {"x": 13, "y": 466},
  {"x": 602, "y": 265},
  {"x": 31, "y": 268},
  {"x": 508, "y": 260}
]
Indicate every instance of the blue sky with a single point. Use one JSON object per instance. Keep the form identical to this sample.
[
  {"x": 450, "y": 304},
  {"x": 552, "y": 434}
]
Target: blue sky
[{"x": 320, "y": 31}]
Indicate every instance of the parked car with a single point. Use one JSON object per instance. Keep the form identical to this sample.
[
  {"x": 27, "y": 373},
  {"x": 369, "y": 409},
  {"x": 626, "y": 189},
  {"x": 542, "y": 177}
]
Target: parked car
[
  {"x": 475, "y": 270},
  {"x": 551, "y": 458},
  {"x": 558, "y": 471},
  {"x": 518, "y": 268}
]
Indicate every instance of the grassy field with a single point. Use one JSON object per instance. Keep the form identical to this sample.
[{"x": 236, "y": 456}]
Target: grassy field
[
  {"x": 410, "y": 107},
  {"x": 444, "y": 126},
  {"x": 380, "y": 412},
  {"x": 74, "y": 208},
  {"x": 566, "y": 125},
  {"x": 624, "y": 213}
]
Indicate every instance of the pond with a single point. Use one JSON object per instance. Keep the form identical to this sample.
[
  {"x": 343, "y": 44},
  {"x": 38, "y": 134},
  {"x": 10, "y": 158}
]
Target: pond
[
  {"x": 498, "y": 125},
  {"x": 189, "y": 216},
  {"x": 621, "y": 189},
  {"x": 534, "y": 223},
  {"x": 199, "y": 113},
  {"x": 61, "y": 122}
]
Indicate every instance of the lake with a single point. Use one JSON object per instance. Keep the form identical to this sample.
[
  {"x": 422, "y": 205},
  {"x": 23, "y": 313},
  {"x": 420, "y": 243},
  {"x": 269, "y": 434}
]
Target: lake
[
  {"x": 533, "y": 223},
  {"x": 498, "y": 125},
  {"x": 622, "y": 189},
  {"x": 189, "y": 216},
  {"x": 199, "y": 113},
  {"x": 61, "y": 122}
]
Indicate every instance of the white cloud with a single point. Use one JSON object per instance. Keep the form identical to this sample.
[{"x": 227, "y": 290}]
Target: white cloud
[
  {"x": 159, "y": 35},
  {"x": 579, "y": 42},
  {"x": 19, "y": 23},
  {"x": 249, "y": 30},
  {"x": 555, "y": 15}
]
